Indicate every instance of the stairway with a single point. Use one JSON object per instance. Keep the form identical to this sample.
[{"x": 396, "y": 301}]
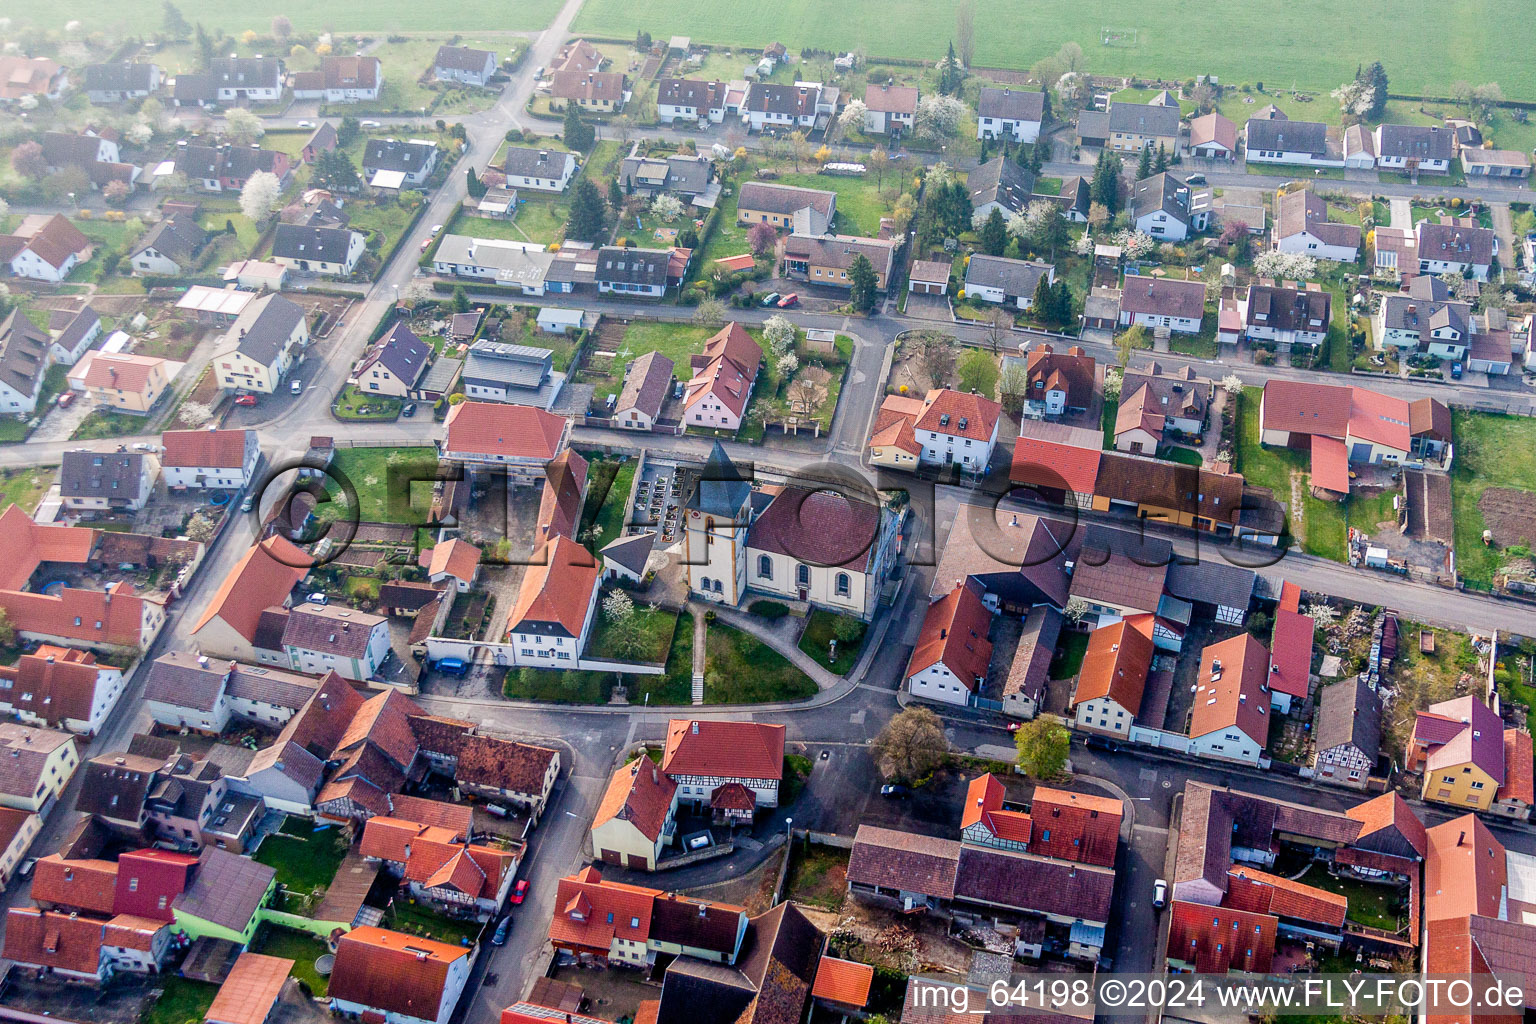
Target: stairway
[{"x": 698, "y": 688}]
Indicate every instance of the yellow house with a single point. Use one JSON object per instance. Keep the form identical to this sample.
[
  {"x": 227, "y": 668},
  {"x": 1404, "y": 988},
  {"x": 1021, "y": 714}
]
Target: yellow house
[
  {"x": 1134, "y": 127},
  {"x": 42, "y": 761},
  {"x": 1458, "y": 744},
  {"x": 120, "y": 381},
  {"x": 763, "y": 202},
  {"x": 601, "y": 92},
  {"x": 262, "y": 345},
  {"x": 893, "y": 442},
  {"x": 17, "y": 830},
  {"x": 636, "y": 816}
]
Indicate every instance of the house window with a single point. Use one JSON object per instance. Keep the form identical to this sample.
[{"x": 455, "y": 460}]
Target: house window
[
  {"x": 764, "y": 567},
  {"x": 802, "y": 575},
  {"x": 842, "y": 584}
]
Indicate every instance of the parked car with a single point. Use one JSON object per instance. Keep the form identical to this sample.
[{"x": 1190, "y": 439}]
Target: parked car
[
  {"x": 25, "y": 871},
  {"x": 1195, "y": 179},
  {"x": 678, "y": 389},
  {"x": 306, "y": 124},
  {"x": 895, "y": 791},
  {"x": 520, "y": 891},
  {"x": 435, "y": 229},
  {"x": 67, "y": 399},
  {"x": 426, "y": 243},
  {"x": 769, "y": 299},
  {"x": 1456, "y": 371},
  {"x": 249, "y": 503},
  {"x": 792, "y": 299},
  {"x": 1101, "y": 744},
  {"x": 1014, "y": 726},
  {"x": 499, "y": 938},
  {"x": 245, "y": 400},
  {"x": 409, "y": 410},
  {"x": 143, "y": 446},
  {"x": 371, "y": 124},
  {"x": 317, "y": 598},
  {"x": 295, "y": 387},
  {"x": 1160, "y": 893},
  {"x": 699, "y": 841}
]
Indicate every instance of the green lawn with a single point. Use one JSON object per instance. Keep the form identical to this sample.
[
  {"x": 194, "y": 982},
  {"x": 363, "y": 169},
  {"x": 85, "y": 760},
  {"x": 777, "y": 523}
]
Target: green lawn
[
  {"x": 221, "y": 220},
  {"x": 539, "y": 219},
  {"x": 741, "y": 669},
  {"x": 105, "y": 423},
  {"x": 351, "y": 403},
  {"x": 1069, "y": 657},
  {"x": 383, "y": 221},
  {"x": 675, "y": 341},
  {"x": 25, "y": 487},
  {"x": 1321, "y": 522},
  {"x": 404, "y": 62},
  {"x": 1491, "y": 451},
  {"x": 608, "y": 486},
  {"x": 342, "y": 15},
  {"x": 180, "y": 1001},
  {"x": 384, "y": 501},
  {"x": 819, "y": 631},
  {"x": 1183, "y": 456},
  {"x": 413, "y": 918},
  {"x": 676, "y": 685},
  {"x": 556, "y": 687},
  {"x": 656, "y": 625},
  {"x": 1374, "y": 906},
  {"x": 300, "y": 947},
  {"x": 727, "y": 238},
  {"x": 305, "y": 860},
  {"x": 859, "y": 203}
]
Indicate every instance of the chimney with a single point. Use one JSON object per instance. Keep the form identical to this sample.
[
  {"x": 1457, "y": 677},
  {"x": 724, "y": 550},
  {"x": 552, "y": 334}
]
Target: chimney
[{"x": 695, "y": 729}]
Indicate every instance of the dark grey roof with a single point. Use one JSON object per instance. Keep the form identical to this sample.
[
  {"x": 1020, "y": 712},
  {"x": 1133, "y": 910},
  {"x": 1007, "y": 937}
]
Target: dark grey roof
[
  {"x": 270, "y": 686},
  {"x": 1093, "y": 124},
  {"x": 234, "y": 814},
  {"x": 1019, "y": 881},
  {"x": 1001, "y": 181},
  {"x": 115, "y": 785},
  {"x": 1455, "y": 243},
  {"x": 1408, "y": 313},
  {"x": 397, "y": 155},
  {"x": 65, "y": 149},
  {"x": 23, "y": 352},
  {"x": 646, "y": 383},
  {"x": 499, "y": 364},
  {"x": 440, "y": 375},
  {"x": 1143, "y": 119},
  {"x": 1011, "y": 104},
  {"x": 1014, "y": 277},
  {"x": 119, "y": 76},
  {"x": 1349, "y": 713},
  {"x": 226, "y": 889},
  {"x": 194, "y": 88},
  {"x": 535, "y": 163},
  {"x": 246, "y": 72},
  {"x": 232, "y": 758},
  {"x": 179, "y": 238},
  {"x": 76, "y": 328},
  {"x": 633, "y": 266},
  {"x": 226, "y": 161},
  {"x": 1414, "y": 142},
  {"x": 1212, "y": 582},
  {"x": 401, "y": 353},
  {"x": 696, "y": 990},
  {"x": 182, "y": 680},
  {"x": 631, "y": 552},
  {"x": 311, "y": 242},
  {"x": 343, "y": 632},
  {"x": 1281, "y": 136},
  {"x": 110, "y": 475},
  {"x": 721, "y": 490},
  {"x": 1289, "y": 309},
  {"x": 688, "y": 174},
  {"x": 790, "y": 100},
  {"x": 265, "y": 326},
  {"x": 463, "y": 58},
  {"x": 689, "y": 92},
  {"x": 770, "y": 197},
  {"x": 1166, "y": 192}
]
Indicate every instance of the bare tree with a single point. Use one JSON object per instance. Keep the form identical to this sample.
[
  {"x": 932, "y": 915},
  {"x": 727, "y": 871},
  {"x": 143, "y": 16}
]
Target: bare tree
[
  {"x": 803, "y": 395},
  {"x": 799, "y": 148},
  {"x": 965, "y": 31},
  {"x": 878, "y": 160},
  {"x": 912, "y": 745}
]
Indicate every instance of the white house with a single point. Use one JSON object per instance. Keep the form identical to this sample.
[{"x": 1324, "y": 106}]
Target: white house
[
  {"x": 464, "y": 65},
  {"x": 949, "y": 663},
  {"x": 1272, "y": 138},
  {"x": 690, "y": 99},
  {"x": 558, "y": 319},
  {"x": 262, "y": 345},
  {"x": 1459, "y": 247},
  {"x": 957, "y": 429},
  {"x": 707, "y": 756},
  {"x": 1302, "y": 226},
  {"x": 1015, "y": 113},
  {"x": 1415, "y": 147},
  {"x": 247, "y": 79},
  {"x": 1002, "y": 280},
  {"x": 224, "y": 459},
  {"x": 341, "y": 80},
  {"x": 25, "y": 358},
  {"x": 60, "y": 687},
  {"x": 311, "y": 249},
  {"x": 330, "y": 638},
  {"x": 889, "y": 109},
  {"x": 774, "y": 105},
  {"x": 542, "y": 169},
  {"x": 394, "y": 978},
  {"x": 1166, "y": 208},
  {"x": 1230, "y": 720},
  {"x": 552, "y": 617},
  {"x": 49, "y": 252},
  {"x": 1159, "y": 302}
]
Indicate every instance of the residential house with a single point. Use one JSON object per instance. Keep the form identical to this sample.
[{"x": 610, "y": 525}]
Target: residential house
[
  {"x": 632, "y": 272},
  {"x": 1007, "y": 281},
  {"x": 890, "y": 109},
  {"x": 1059, "y": 383},
  {"x": 83, "y": 150},
  {"x": 39, "y": 764},
  {"x": 1113, "y": 676},
  {"x": 1275, "y": 139},
  {"x": 73, "y": 334},
  {"x": 24, "y": 356},
  {"x": 399, "y": 163},
  {"x": 1165, "y": 207},
  {"x": 48, "y": 251},
  {"x": 107, "y": 481},
  {"x": 1455, "y": 247},
  {"x": 636, "y": 817},
  {"x": 1024, "y": 686},
  {"x": 1482, "y": 164},
  {"x": 329, "y": 252},
  {"x": 553, "y": 615},
  {"x": 944, "y": 428},
  {"x": 184, "y": 690},
  {"x": 1012, "y": 113},
  {"x": 121, "y": 80},
  {"x": 1290, "y": 651},
  {"x": 1414, "y": 148},
  {"x": 1134, "y": 127},
  {"x": 328, "y": 638},
  {"x": 1158, "y": 404},
  {"x": 647, "y": 383},
  {"x": 1347, "y": 739},
  {"x": 266, "y": 341},
  {"x": 394, "y": 364},
  {"x": 190, "y": 805},
  {"x": 761, "y": 202},
  {"x": 1060, "y": 472},
  {"x": 37, "y": 77},
  {"x": 628, "y": 559},
  {"x": 456, "y": 562},
  {"x": 121, "y": 381},
  {"x": 251, "y": 80},
  {"x": 62, "y": 946},
  {"x": 397, "y": 978},
  {"x": 225, "y": 168},
  {"x": 1230, "y": 721},
  {"x": 516, "y": 774},
  {"x": 949, "y": 662},
  {"x": 687, "y": 177},
  {"x": 825, "y": 259},
  {"x": 264, "y": 578},
  {"x": 601, "y": 92},
  {"x": 518, "y": 439},
  {"x": 1286, "y": 313},
  {"x": 542, "y": 170},
  {"x": 715, "y": 759},
  {"x": 1342, "y": 425},
  {"x": 209, "y": 458},
  {"x": 690, "y": 99},
  {"x": 723, "y": 376},
  {"x": 1302, "y": 226},
  {"x": 1458, "y": 746},
  {"x": 525, "y": 265},
  {"x": 321, "y": 140},
  {"x": 562, "y": 499},
  {"x": 464, "y": 65},
  {"x": 340, "y": 80},
  {"x": 770, "y": 105},
  {"x": 1212, "y": 137},
  {"x": 438, "y": 861},
  {"x": 1425, "y": 318},
  {"x": 614, "y": 924},
  {"x": 168, "y": 248},
  {"x": 1158, "y": 302},
  {"x": 60, "y": 688}
]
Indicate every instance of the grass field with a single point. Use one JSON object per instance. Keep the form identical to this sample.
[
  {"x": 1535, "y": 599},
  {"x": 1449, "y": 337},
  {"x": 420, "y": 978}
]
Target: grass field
[
  {"x": 675, "y": 341},
  {"x": 1321, "y": 522},
  {"x": 300, "y": 947},
  {"x": 1491, "y": 451},
  {"x": 860, "y": 205},
  {"x": 740, "y": 669},
  {"x": 1313, "y": 44},
  {"x": 368, "y": 470},
  {"x": 180, "y": 1001},
  {"x": 305, "y": 859},
  {"x": 657, "y": 626},
  {"x": 606, "y": 501},
  {"x": 25, "y": 487},
  {"x": 341, "y": 15},
  {"x": 819, "y": 632}
]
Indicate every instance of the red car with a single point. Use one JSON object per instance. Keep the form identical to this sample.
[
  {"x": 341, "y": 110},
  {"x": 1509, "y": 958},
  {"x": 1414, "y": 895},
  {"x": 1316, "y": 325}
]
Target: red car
[
  {"x": 792, "y": 299},
  {"x": 246, "y": 400},
  {"x": 520, "y": 891},
  {"x": 66, "y": 399}
]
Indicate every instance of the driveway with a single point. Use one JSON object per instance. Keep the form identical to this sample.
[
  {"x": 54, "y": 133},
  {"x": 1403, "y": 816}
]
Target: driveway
[
  {"x": 1504, "y": 228},
  {"x": 1402, "y": 213},
  {"x": 929, "y": 307}
]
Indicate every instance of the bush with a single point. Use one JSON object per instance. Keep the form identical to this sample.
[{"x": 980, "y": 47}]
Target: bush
[{"x": 770, "y": 610}]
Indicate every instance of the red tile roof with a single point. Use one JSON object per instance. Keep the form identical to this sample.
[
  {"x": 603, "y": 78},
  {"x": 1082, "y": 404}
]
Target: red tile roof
[
  {"x": 89, "y": 885},
  {"x": 984, "y": 806},
  {"x": 254, "y": 983},
  {"x": 1381, "y": 419},
  {"x": 1464, "y": 870},
  {"x": 560, "y": 503},
  {"x": 393, "y": 972},
  {"x": 391, "y": 839},
  {"x": 980, "y": 414},
  {"x": 1115, "y": 665},
  {"x": 893, "y": 424},
  {"x": 1234, "y": 696},
  {"x": 843, "y": 981},
  {"x": 640, "y": 794},
  {"x": 494, "y": 428},
  {"x": 54, "y": 683},
  {"x": 1051, "y": 465},
  {"x": 1076, "y": 826},
  {"x": 725, "y": 369},
  {"x": 1261, "y": 892},
  {"x": 50, "y": 939},
  {"x": 1517, "y": 767},
  {"x": 264, "y": 576},
  {"x": 1304, "y": 407},
  {"x": 590, "y": 913},
  {"x": 1290, "y": 654},
  {"x": 457, "y": 558},
  {"x": 1330, "y": 464},
  {"x": 740, "y": 750},
  {"x": 130, "y": 932},
  {"x": 557, "y": 588},
  {"x": 1218, "y": 939},
  {"x": 1390, "y": 811},
  {"x": 954, "y": 633}
]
